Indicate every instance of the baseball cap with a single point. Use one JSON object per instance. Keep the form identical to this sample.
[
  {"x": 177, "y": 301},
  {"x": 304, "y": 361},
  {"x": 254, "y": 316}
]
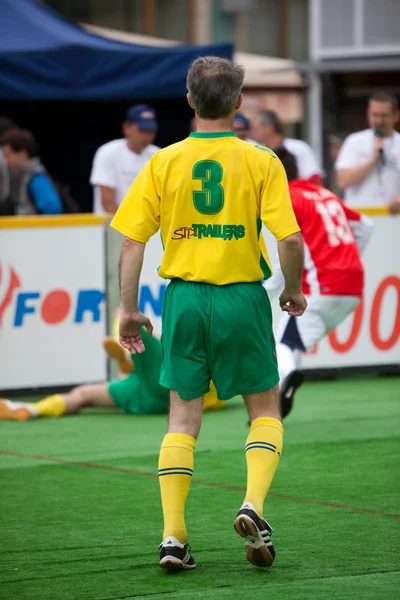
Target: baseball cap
[
  {"x": 143, "y": 115},
  {"x": 241, "y": 120}
]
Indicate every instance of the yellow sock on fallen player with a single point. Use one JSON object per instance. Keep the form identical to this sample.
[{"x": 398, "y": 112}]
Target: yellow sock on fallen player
[
  {"x": 52, "y": 406},
  {"x": 263, "y": 449},
  {"x": 211, "y": 401},
  {"x": 175, "y": 470}
]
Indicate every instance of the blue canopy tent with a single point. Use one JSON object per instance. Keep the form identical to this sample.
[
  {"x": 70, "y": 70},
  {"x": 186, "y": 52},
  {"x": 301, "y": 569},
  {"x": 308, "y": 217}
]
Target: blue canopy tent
[
  {"x": 45, "y": 57},
  {"x": 72, "y": 88}
]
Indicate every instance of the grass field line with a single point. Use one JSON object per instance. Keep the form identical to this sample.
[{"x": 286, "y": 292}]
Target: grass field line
[
  {"x": 150, "y": 567},
  {"x": 114, "y": 469}
]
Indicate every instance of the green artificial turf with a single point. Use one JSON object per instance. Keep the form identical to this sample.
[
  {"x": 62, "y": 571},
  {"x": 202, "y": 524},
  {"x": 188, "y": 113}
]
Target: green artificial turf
[{"x": 76, "y": 532}]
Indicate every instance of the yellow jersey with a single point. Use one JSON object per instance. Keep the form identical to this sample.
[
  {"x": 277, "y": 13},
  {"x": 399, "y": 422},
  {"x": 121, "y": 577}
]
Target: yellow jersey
[{"x": 208, "y": 194}]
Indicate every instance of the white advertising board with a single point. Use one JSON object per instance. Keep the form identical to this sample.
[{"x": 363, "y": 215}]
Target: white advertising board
[
  {"x": 152, "y": 288},
  {"x": 52, "y": 305}
]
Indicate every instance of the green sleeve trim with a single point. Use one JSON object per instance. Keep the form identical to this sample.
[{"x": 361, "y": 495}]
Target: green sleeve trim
[{"x": 263, "y": 263}]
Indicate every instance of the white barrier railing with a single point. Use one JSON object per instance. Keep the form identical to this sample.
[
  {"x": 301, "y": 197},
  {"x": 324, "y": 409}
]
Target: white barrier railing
[{"x": 53, "y": 309}]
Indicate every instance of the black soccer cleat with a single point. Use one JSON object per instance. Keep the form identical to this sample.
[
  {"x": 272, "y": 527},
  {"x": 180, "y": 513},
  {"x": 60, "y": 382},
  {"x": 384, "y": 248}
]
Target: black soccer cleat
[
  {"x": 287, "y": 391},
  {"x": 256, "y": 531},
  {"x": 175, "y": 556}
]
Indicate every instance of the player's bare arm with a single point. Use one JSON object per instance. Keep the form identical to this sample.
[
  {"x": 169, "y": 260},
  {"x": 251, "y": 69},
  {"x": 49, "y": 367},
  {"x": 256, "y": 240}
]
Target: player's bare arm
[
  {"x": 131, "y": 319},
  {"x": 291, "y": 257},
  {"x": 108, "y": 200}
]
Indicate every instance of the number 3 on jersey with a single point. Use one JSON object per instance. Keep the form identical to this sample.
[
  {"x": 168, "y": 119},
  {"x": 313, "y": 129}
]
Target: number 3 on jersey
[{"x": 210, "y": 199}]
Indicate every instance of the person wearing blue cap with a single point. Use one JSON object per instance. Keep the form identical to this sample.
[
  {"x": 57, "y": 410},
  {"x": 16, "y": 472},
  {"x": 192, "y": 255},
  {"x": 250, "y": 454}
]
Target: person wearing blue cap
[
  {"x": 117, "y": 163},
  {"x": 241, "y": 126}
]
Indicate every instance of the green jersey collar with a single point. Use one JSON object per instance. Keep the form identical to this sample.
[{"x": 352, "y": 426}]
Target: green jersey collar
[{"x": 216, "y": 134}]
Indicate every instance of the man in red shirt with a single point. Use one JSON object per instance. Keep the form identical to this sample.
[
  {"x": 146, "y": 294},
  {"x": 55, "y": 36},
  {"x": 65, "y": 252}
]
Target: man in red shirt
[{"x": 333, "y": 278}]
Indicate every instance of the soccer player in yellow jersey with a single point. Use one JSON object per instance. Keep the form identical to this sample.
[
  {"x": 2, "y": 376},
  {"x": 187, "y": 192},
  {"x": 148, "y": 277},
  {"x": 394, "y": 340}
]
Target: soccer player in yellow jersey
[{"x": 208, "y": 196}]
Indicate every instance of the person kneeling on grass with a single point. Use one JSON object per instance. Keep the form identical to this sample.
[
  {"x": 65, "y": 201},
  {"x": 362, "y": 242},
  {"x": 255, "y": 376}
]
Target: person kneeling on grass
[{"x": 138, "y": 394}]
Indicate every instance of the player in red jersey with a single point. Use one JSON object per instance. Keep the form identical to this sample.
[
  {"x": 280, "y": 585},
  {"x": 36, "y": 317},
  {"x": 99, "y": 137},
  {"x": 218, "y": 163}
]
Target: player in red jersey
[{"x": 333, "y": 278}]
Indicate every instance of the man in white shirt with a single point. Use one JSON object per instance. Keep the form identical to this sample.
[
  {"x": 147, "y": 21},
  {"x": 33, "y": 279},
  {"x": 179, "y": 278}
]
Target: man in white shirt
[
  {"x": 117, "y": 163},
  {"x": 368, "y": 165},
  {"x": 267, "y": 129}
]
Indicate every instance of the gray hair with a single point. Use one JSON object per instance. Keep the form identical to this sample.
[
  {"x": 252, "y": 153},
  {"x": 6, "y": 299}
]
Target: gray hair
[{"x": 214, "y": 85}]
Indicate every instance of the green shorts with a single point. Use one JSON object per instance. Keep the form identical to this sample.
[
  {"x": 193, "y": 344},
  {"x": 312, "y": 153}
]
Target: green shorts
[
  {"x": 223, "y": 333},
  {"x": 140, "y": 393}
]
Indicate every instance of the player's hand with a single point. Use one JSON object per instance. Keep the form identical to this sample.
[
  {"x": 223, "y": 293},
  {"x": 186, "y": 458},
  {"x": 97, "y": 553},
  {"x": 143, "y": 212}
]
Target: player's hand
[
  {"x": 293, "y": 304},
  {"x": 129, "y": 331},
  {"x": 394, "y": 206},
  {"x": 378, "y": 146}
]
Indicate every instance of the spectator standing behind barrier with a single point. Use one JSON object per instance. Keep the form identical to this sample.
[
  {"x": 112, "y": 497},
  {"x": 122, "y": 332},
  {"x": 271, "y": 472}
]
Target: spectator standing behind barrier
[
  {"x": 31, "y": 190},
  {"x": 268, "y": 131},
  {"x": 368, "y": 165},
  {"x": 117, "y": 163},
  {"x": 5, "y": 125},
  {"x": 241, "y": 126},
  {"x": 5, "y": 207}
]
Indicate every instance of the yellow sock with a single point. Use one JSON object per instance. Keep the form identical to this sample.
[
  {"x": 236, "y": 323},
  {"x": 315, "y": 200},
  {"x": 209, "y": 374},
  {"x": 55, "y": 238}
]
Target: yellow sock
[
  {"x": 263, "y": 449},
  {"x": 210, "y": 401},
  {"x": 115, "y": 332},
  {"x": 52, "y": 406},
  {"x": 175, "y": 469}
]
